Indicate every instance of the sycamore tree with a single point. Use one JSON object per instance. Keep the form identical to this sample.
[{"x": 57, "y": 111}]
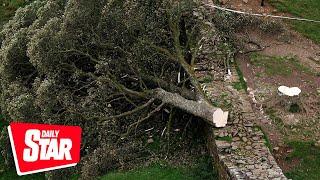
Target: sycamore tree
[{"x": 106, "y": 65}]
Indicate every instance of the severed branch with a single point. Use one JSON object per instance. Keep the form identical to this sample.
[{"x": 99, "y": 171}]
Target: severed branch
[{"x": 212, "y": 115}]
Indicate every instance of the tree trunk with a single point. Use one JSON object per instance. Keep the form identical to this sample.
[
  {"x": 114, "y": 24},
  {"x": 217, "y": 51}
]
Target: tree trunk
[{"x": 212, "y": 115}]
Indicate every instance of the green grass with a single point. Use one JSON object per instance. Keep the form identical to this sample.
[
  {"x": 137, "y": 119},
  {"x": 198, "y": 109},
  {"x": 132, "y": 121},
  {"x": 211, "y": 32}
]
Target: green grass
[
  {"x": 265, "y": 137},
  {"x": 302, "y": 8},
  {"x": 274, "y": 65},
  {"x": 7, "y": 11},
  {"x": 162, "y": 171},
  {"x": 309, "y": 156},
  {"x": 241, "y": 84},
  {"x": 10, "y": 173},
  {"x": 225, "y": 138}
]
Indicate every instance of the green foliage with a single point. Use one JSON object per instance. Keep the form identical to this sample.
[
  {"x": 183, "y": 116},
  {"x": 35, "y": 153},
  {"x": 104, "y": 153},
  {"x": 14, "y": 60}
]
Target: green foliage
[
  {"x": 306, "y": 9},
  {"x": 77, "y": 62},
  {"x": 309, "y": 157}
]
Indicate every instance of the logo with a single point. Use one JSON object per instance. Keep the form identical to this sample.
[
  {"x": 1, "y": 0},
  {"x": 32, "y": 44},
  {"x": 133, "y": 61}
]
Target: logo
[{"x": 39, "y": 147}]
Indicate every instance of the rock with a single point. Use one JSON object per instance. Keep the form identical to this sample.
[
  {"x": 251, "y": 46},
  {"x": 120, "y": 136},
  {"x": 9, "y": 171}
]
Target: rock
[
  {"x": 236, "y": 139},
  {"x": 255, "y": 138},
  {"x": 248, "y": 125},
  {"x": 276, "y": 148},
  {"x": 149, "y": 141},
  {"x": 234, "y": 147},
  {"x": 223, "y": 144},
  {"x": 241, "y": 162},
  {"x": 248, "y": 147},
  {"x": 244, "y": 139},
  {"x": 245, "y": 1}
]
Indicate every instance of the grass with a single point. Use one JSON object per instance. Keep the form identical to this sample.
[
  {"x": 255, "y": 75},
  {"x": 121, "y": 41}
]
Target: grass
[
  {"x": 302, "y": 8},
  {"x": 265, "y": 137},
  {"x": 274, "y": 65},
  {"x": 241, "y": 84},
  {"x": 10, "y": 173},
  {"x": 309, "y": 157},
  {"x": 225, "y": 138},
  {"x": 162, "y": 171}
]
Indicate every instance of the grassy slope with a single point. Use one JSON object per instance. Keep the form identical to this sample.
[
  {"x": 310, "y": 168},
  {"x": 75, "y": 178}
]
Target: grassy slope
[
  {"x": 302, "y": 8},
  {"x": 309, "y": 157},
  {"x": 161, "y": 171}
]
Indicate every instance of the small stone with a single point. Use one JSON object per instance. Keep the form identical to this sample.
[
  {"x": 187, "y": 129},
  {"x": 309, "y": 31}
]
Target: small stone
[
  {"x": 250, "y": 166},
  {"x": 248, "y": 125},
  {"x": 276, "y": 148},
  {"x": 244, "y": 139},
  {"x": 236, "y": 139},
  {"x": 241, "y": 162},
  {"x": 255, "y": 138},
  {"x": 149, "y": 141},
  {"x": 245, "y": 1},
  {"x": 222, "y": 144},
  {"x": 234, "y": 147},
  {"x": 248, "y": 147}
]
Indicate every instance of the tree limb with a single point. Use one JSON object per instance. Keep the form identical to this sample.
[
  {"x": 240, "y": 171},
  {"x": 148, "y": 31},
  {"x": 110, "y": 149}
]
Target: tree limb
[{"x": 212, "y": 115}]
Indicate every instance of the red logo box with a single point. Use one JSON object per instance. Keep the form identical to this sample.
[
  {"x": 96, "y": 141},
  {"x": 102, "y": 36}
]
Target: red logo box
[{"x": 39, "y": 147}]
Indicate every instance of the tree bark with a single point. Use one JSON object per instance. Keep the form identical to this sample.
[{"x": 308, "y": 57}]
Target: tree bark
[{"x": 212, "y": 115}]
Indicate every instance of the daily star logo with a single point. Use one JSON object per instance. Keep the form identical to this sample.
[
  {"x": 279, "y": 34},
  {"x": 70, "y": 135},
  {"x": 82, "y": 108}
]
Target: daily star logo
[{"x": 39, "y": 147}]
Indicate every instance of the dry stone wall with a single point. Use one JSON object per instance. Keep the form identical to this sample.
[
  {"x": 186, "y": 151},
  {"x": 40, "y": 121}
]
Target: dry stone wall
[{"x": 240, "y": 149}]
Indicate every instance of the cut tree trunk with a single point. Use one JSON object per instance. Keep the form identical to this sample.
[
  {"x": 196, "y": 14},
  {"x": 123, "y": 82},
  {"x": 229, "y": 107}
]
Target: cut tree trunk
[{"x": 213, "y": 115}]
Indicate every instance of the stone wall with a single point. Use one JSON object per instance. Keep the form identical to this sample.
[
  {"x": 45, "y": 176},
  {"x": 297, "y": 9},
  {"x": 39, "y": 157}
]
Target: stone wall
[{"x": 240, "y": 149}]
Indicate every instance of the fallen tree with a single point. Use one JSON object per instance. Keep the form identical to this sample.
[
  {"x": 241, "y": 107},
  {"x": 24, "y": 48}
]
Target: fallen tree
[{"x": 104, "y": 65}]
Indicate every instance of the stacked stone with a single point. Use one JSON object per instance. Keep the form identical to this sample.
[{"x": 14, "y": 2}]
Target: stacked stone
[
  {"x": 240, "y": 147},
  {"x": 240, "y": 150}
]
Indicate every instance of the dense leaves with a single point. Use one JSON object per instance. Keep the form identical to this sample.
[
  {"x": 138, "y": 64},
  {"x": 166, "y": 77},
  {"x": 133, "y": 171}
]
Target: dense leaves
[{"x": 78, "y": 62}]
